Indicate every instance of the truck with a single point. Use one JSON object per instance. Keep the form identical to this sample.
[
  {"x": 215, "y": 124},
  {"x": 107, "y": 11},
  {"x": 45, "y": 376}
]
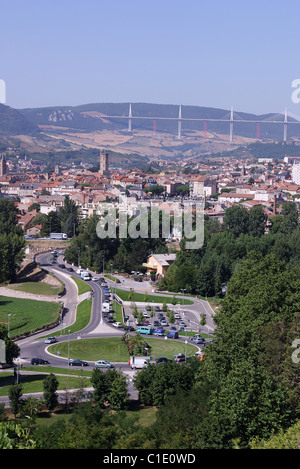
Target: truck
[
  {"x": 58, "y": 236},
  {"x": 138, "y": 362},
  {"x": 85, "y": 275}
]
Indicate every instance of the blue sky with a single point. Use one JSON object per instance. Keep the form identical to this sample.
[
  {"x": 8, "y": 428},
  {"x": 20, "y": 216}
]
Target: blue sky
[{"x": 191, "y": 52}]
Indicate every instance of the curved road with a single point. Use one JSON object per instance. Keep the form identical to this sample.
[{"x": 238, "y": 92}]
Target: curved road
[{"x": 34, "y": 346}]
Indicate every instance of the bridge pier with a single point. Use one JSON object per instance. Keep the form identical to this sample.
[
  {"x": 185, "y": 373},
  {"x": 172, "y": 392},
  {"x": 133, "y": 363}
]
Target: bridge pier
[
  {"x": 179, "y": 123},
  {"x": 231, "y": 126}
]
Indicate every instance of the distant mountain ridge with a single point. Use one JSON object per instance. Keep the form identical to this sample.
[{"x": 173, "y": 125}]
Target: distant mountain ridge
[
  {"x": 13, "y": 122},
  {"x": 95, "y": 117}
]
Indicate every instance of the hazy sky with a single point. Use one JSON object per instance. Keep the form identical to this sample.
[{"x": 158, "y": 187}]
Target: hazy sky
[{"x": 218, "y": 53}]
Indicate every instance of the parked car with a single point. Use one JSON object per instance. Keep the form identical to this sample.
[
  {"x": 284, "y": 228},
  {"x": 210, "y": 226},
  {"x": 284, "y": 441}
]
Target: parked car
[
  {"x": 156, "y": 323},
  {"x": 145, "y": 314},
  {"x": 77, "y": 362},
  {"x": 182, "y": 323},
  {"x": 160, "y": 316},
  {"x": 180, "y": 357},
  {"x": 39, "y": 361},
  {"x": 103, "y": 364},
  {"x": 156, "y": 308},
  {"x": 173, "y": 328},
  {"x": 163, "y": 322},
  {"x": 50, "y": 340}
]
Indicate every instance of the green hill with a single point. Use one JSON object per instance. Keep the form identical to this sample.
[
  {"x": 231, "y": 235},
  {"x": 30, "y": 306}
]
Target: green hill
[{"x": 13, "y": 122}]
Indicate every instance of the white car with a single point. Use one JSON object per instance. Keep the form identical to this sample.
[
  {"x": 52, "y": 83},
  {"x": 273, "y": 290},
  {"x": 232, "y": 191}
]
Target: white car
[
  {"x": 79, "y": 271},
  {"x": 50, "y": 340},
  {"x": 103, "y": 364},
  {"x": 94, "y": 279},
  {"x": 117, "y": 324}
]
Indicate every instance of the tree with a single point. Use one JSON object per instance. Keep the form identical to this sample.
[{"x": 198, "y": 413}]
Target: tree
[
  {"x": 12, "y": 350},
  {"x": 257, "y": 221},
  {"x": 236, "y": 220},
  {"x": 15, "y": 394},
  {"x": 50, "y": 385},
  {"x": 69, "y": 216},
  {"x": 110, "y": 388}
]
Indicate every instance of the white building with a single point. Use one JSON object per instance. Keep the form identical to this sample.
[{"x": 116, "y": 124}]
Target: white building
[{"x": 296, "y": 173}]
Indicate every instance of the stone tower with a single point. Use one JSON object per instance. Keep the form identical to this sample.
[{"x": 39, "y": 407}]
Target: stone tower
[
  {"x": 104, "y": 163},
  {"x": 2, "y": 165}
]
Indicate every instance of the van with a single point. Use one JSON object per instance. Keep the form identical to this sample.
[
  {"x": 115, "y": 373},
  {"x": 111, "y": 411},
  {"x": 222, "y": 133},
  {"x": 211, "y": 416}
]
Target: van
[
  {"x": 86, "y": 276},
  {"x": 145, "y": 330},
  {"x": 138, "y": 362}
]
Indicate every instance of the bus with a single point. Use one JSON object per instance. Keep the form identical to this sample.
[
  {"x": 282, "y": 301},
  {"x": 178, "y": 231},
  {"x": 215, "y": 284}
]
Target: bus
[{"x": 58, "y": 236}]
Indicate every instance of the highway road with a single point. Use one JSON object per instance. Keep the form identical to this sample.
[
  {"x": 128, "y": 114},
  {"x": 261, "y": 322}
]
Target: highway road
[{"x": 34, "y": 346}]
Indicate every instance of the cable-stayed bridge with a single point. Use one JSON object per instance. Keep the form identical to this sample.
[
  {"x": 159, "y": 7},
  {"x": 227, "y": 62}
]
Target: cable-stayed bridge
[{"x": 285, "y": 119}]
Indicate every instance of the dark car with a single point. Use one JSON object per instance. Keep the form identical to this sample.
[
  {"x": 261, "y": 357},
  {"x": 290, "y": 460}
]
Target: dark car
[
  {"x": 61, "y": 266},
  {"x": 39, "y": 361},
  {"x": 162, "y": 360},
  {"x": 77, "y": 362},
  {"x": 129, "y": 328},
  {"x": 156, "y": 308},
  {"x": 69, "y": 269}
]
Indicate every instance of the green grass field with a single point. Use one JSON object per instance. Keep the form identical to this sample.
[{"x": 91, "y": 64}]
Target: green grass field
[
  {"x": 27, "y": 315},
  {"x": 34, "y": 383},
  {"x": 113, "y": 349},
  {"x": 82, "y": 286},
  {"x": 140, "y": 297},
  {"x": 37, "y": 288}
]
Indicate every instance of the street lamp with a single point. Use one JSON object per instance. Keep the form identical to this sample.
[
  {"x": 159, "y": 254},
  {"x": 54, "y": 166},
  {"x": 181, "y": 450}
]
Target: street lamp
[
  {"x": 8, "y": 325},
  {"x": 69, "y": 346},
  {"x": 183, "y": 290}
]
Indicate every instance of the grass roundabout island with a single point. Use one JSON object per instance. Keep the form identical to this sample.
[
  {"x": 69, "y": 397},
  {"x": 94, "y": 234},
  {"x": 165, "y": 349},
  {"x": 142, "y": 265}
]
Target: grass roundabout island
[{"x": 113, "y": 349}]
